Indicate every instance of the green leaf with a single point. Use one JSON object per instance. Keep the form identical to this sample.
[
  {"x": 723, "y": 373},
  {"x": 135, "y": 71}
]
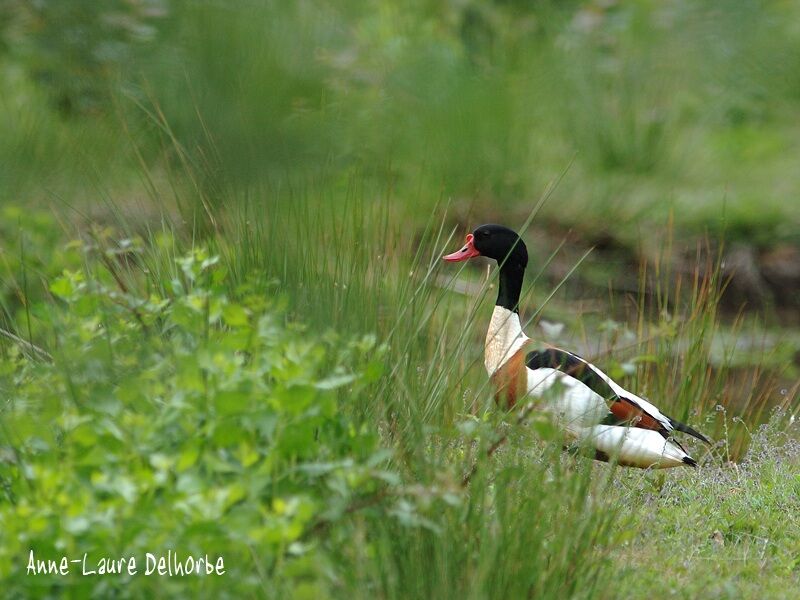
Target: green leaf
[
  {"x": 84, "y": 435},
  {"x": 235, "y": 315},
  {"x": 231, "y": 402},
  {"x": 188, "y": 457},
  {"x": 294, "y": 399},
  {"x": 62, "y": 287},
  {"x": 228, "y": 432},
  {"x": 335, "y": 381}
]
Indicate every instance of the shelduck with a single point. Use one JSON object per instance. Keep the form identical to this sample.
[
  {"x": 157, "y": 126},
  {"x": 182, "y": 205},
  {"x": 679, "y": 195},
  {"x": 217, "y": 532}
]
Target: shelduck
[{"x": 594, "y": 411}]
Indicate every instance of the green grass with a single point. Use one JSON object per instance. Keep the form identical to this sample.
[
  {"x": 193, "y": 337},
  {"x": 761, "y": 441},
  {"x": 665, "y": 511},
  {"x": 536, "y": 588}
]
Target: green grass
[
  {"x": 228, "y": 329},
  {"x": 307, "y": 405}
]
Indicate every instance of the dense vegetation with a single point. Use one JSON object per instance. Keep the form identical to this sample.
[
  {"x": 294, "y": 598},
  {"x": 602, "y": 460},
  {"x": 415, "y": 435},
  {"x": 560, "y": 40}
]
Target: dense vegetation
[{"x": 226, "y": 329}]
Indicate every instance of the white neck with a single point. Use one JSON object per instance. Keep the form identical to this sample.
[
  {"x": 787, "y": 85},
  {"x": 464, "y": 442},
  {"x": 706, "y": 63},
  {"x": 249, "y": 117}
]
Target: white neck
[{"x": 503, "y": 339}]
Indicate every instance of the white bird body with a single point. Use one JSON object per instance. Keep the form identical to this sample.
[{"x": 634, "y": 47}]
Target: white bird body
[
  {"x": 593, "y": 410},
  {"x": 578, "y": 409}
]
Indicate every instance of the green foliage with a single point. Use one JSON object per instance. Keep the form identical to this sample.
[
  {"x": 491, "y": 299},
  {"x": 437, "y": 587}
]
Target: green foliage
[
  {"x": 192, "y": 416},
  {"x": 187, "y": 420},
  {"x": 32, "y": 252},
  {"x": 76, "y": 49},
  {"x": 182, "y": 410},
  {"x": 655, "y": 108},
  {"x": 268, "y": 363}
]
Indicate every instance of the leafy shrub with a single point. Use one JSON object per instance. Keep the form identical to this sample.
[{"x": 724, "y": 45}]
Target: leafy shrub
[
  {"x": 182, "y": 412},
  {"x": 182, "y": 420},
  {"x": 30, "y": 253}
]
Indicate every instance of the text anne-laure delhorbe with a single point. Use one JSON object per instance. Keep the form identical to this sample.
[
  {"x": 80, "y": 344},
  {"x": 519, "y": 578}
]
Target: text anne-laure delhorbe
[{"x": 170, "y": 564}]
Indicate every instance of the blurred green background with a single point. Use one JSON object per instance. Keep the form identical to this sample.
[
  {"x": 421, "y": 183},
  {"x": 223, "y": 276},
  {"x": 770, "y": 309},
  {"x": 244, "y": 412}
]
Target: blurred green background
[
  {"x": 649, "y": 114},
  {"x": 225, "y": 322}
]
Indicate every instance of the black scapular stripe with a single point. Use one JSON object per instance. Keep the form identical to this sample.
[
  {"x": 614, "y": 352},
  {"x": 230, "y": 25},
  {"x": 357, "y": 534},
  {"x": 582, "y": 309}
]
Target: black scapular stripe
[
  {"x": 574, "y": 366},
  {"x": 553, "y": 358}
]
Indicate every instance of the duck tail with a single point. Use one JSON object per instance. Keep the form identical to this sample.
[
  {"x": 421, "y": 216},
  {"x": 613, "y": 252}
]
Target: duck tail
[{"x": 677, "y": 425}]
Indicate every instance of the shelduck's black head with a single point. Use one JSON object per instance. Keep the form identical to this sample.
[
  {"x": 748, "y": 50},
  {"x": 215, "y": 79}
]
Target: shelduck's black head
[
  {"x": 493, "y": 241},
  {"x": 508, "y": 249}
]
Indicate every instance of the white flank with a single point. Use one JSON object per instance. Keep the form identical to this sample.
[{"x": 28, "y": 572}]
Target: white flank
[
  {"x": 503, "y": 339},
  {"x": 634, "y": 446},
  {"x": 572, "y": 402},
  {"x": 578, "y": 410}
]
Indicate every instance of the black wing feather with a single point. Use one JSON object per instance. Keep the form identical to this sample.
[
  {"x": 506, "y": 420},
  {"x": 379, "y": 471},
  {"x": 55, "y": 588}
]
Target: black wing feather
[
  {"x": 686, "y": 429},
  {"x": 576, "y": 367},
  {"x": 553, "y": 358}
]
